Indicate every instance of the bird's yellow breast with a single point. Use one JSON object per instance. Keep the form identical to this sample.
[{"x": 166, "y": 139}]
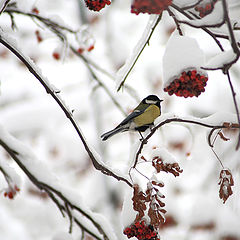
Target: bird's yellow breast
[{"x": 148, "y": 117}]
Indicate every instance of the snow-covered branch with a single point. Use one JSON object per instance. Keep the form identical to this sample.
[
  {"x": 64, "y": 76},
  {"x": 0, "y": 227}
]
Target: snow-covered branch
[
  {"x": 125, "y": 70},
  {"x": 68, "y": 202},
  {"x": 96, "y": 161}
]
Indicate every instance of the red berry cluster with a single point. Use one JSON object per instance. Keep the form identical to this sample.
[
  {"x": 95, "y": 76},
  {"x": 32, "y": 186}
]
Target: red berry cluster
[
  {"x": 189, "y": 84},
  {"x": 141, "y": 231},
  {"x": 150, "y": 6},
  {"x": 11, "y": 192},
  {"x": 205, "y": 9},
  {"x": 81, "y": 50},
  {"x": 96, "y": 5}
]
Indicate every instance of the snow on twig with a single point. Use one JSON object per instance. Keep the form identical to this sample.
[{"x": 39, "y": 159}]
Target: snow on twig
[
  {"x": 125, "y": 70},
  {"x": 41, "y": 177}
]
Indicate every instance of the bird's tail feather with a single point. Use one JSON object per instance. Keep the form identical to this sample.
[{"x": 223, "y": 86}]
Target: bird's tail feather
[{"x": 109, "y": 134}]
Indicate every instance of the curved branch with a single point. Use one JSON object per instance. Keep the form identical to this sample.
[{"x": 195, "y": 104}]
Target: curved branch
[
  {"x": 52, "y": 192},
  {"x": 170, "y": 120},
  {"x": 32, "y": 68}
]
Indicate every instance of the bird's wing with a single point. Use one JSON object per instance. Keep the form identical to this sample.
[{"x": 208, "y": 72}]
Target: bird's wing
[{"x": 137, "y": 111}]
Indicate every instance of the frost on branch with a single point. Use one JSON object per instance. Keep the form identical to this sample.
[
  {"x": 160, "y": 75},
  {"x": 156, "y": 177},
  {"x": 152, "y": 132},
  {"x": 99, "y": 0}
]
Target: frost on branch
[
  {"x": 150, "y": 6},
  {"x": 226, "y": 183},
  {"x": 182, "y": 71}
]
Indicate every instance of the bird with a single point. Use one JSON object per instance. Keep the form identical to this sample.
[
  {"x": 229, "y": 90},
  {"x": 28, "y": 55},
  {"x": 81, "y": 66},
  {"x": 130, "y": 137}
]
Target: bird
[{"x": 140, "y": 119}]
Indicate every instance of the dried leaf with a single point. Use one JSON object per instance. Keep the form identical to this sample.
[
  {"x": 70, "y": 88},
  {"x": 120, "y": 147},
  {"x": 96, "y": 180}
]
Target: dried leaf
[
  {"x": 159, "y": 165},
  {"x": 223, "y": 137},
  {"x": 139, "y": 202},
  {"x": 226, "y": 183}
]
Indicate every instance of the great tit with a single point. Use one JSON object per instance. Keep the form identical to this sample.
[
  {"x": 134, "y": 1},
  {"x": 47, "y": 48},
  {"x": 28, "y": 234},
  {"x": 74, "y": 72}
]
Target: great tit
[{"x": 140, "y": 119}]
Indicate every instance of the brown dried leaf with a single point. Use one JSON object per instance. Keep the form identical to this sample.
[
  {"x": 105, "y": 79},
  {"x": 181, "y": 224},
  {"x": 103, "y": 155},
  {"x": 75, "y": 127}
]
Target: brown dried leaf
[
  {"x": 226, "y": 183},
  {"x": 139, "y": 202},
  {"x": 156, "y": 217},
  {"x": 223, "y": 137},
  {"x": 155, "y": 211},
  {"x": 159, "y": 165}
]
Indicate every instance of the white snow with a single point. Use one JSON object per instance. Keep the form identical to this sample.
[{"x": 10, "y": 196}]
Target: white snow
[
  {"x": 164, "y": 154},
  {"x": 33, "y": 117},
  {"x": 10, "y": 171},
  {"x": 128, "y": 214},
  {"x": 220, "y": 59},
  {"x": 182, "y": 53}
]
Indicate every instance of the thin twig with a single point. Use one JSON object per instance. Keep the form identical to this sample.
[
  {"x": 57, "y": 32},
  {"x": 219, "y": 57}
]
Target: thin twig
[
  {"x": 214, "y": 140},
  {"x": 4, "y": 6},
  {"x": 237, "y": 52},
  {"x": 235, "y": 105},
  {"x": 176, "y": 21},
  {"x": 203, "y": 28},
  {"x": 140, "y": 52},
  {"x": 47, "y": 21},
  {"x": 117, "y": 104},
  {"x": 217, "y": 158}
]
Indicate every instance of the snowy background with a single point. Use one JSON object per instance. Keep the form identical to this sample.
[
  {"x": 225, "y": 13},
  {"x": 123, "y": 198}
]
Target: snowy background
[{"x": 28, "y": 113}]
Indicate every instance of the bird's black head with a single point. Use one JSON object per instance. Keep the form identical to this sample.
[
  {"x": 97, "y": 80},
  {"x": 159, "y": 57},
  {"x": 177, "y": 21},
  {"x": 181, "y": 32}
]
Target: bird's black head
[{"x": 152, "y": 99}]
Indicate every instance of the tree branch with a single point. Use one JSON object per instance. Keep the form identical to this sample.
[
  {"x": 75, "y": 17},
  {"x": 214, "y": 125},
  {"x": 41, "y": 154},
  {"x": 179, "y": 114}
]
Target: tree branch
[
  {"x": 32, "y": 68},
  {"x": 179, "y": 120},
  {"x": 58, "y": 196}
]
